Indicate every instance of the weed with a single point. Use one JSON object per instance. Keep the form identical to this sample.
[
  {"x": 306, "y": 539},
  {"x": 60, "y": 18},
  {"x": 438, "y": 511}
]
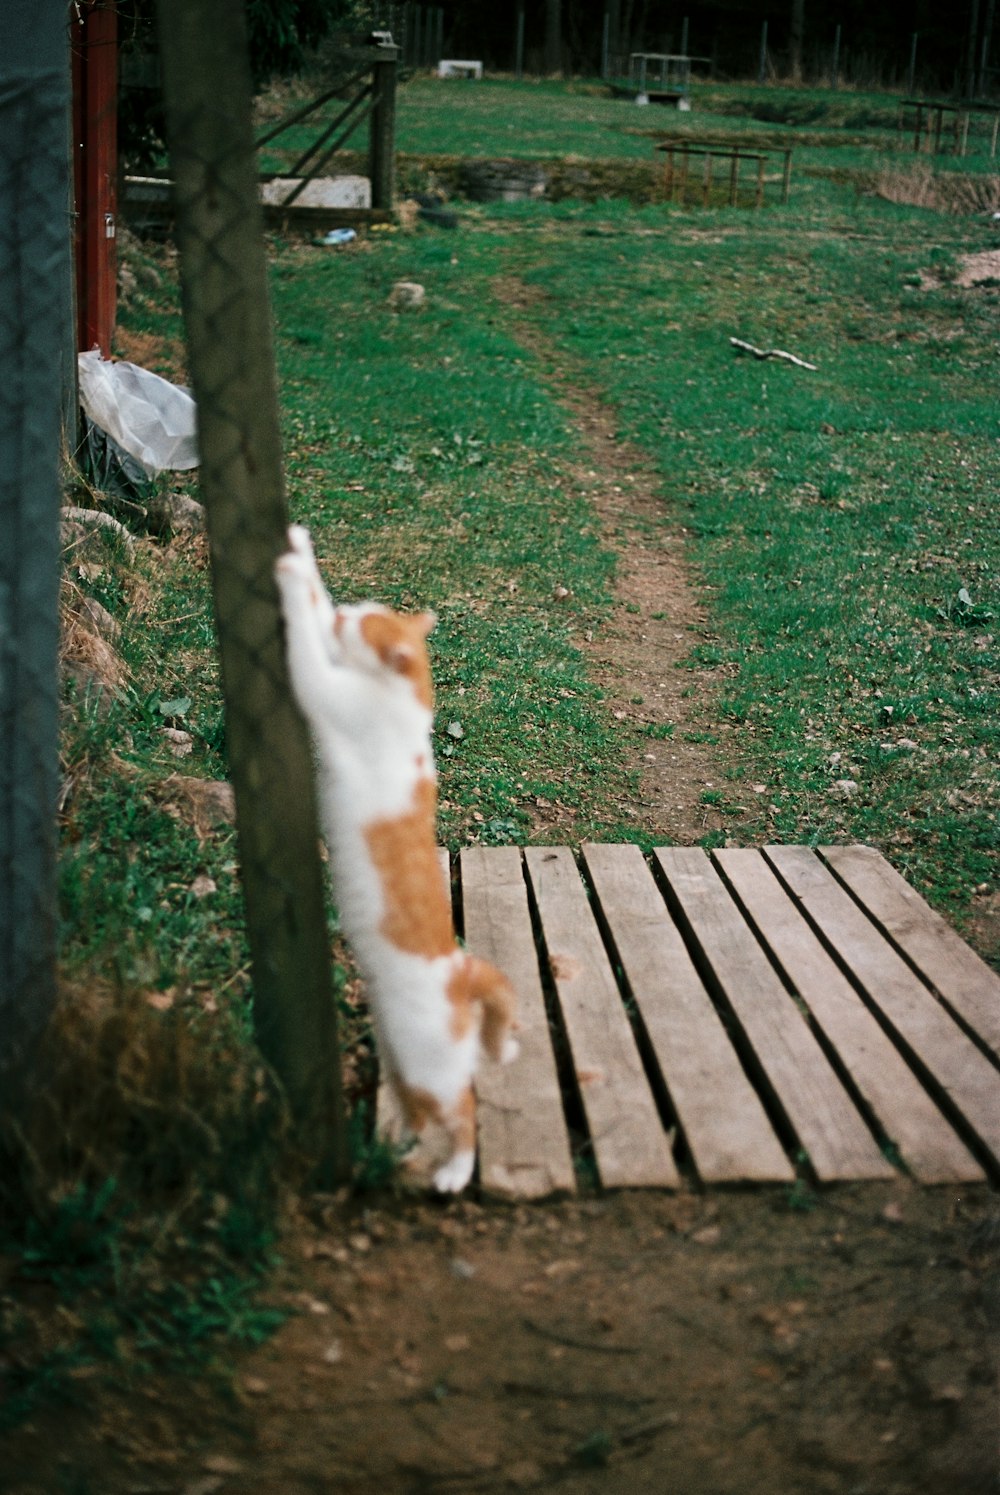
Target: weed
[
  {"x": 375, "y": 1159},
  {"x": 801, "y": 1198}
]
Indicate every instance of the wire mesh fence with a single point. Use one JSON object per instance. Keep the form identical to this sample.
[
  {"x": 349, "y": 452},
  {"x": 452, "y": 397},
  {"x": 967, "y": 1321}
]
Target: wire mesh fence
[
  {"x": 35, "y": 342},
  {"x": 230, "y": 354}
]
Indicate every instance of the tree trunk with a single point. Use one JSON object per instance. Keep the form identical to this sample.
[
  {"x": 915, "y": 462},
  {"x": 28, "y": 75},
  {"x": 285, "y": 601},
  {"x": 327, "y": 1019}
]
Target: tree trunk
[
  {"x": 795, "y": 35},
  {"x": 553, "y": 37}
]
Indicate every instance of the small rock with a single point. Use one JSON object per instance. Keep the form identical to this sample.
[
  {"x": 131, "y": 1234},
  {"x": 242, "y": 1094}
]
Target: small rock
[
  {"x": 407, "y": 295},
  {"x": 175, "y": 513},
  {"x": 181, "y": 744},
  {"x": 334, "y": 1353},
  {"x": 221, "y": 1463},
  {"x": 97, "y": 618},
  {"x": 203, "y": 886},
  {"x": 844, "y": 788}
]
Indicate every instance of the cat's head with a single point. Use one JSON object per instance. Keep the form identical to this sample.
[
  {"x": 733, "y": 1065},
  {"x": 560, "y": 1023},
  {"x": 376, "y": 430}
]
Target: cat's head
[{"x": 380, "y": 642}]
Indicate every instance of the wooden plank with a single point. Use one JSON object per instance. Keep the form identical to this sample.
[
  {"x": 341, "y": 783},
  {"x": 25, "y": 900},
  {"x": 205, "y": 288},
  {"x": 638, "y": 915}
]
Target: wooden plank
[
  {"x": 724, "y": 1123},
  {"x": 941, "y": 956},
  {"x": 524, "y": 1150},
  {"x": 630, "y": 1145},
  {"x": 908, "y": 1116},
  {"x": 966, "y": 1077},
  {"x": 804, "y": 1083}
]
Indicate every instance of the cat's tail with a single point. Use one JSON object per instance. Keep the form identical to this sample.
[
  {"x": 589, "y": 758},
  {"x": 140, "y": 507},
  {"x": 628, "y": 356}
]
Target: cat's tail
[{"x": 498, "y": 1000}]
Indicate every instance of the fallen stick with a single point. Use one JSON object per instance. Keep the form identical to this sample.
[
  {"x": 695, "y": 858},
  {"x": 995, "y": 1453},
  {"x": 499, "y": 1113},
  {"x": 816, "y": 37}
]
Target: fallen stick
[{"x": 743, "y": 347}]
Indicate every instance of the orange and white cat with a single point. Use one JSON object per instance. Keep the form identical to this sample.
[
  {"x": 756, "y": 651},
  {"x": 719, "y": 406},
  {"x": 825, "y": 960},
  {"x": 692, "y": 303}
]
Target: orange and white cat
[{"x": 362, "y": 679}]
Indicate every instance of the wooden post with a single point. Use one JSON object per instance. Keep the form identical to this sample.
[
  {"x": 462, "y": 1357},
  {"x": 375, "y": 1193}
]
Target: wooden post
[
  {"x": 760, "y": 181},
  {"x": 95, "y": 115},
  {"x": 912, "y": 75},
  {"x": 228, "y": 323},
  {"x": 519, "y": 45},
  {"x": 786, "y": 176},
  {"x": 734, "y": 178},
  {"x": 762, "y": 64},
  {"x": 605, "y": 41},
  {"x": 382, "y": 131},
  {"x": 38, "y": 354},
  {"x": 684, "y": 171},
  {"x": 668, "y": 175},
  {"x": 993, "y": 138},
  {"x": 835, "y": 79},
  {"x": 706, "y": 185}
]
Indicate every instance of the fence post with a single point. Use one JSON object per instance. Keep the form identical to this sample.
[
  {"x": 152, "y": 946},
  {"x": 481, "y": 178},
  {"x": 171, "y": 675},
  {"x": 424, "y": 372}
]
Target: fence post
[
  {"x": 35, "y": 347},
  {"x": 228, "y": 324},
  {"x": 382, "y": 131}
]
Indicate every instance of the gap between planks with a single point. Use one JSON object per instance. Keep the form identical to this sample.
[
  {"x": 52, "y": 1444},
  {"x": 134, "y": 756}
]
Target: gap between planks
[{"x": 731, "y": 1017}]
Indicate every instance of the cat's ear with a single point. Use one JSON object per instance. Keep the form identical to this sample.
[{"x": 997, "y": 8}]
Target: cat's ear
[
  {"x": 400, "y": 657},
  {"x": 425, "y": 622}
]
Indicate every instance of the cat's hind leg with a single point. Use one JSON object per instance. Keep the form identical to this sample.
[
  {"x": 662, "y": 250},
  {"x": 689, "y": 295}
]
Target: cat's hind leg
[
  {"x": 421, "y": 1109},
  {"x": 498, "y": 1000},
  {"x": 460, "y": 1122}
]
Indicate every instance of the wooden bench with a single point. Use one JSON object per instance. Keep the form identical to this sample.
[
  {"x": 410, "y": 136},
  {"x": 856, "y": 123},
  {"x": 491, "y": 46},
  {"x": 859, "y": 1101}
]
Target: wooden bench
[{"x": 741, "y": 1017}]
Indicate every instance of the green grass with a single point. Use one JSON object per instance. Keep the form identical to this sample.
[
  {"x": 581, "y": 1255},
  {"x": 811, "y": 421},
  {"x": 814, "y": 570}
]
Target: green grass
[{"x": 438, "y": 476}]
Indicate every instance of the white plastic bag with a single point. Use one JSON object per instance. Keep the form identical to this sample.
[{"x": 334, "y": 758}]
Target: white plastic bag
[{"x": 153, "y": 420}]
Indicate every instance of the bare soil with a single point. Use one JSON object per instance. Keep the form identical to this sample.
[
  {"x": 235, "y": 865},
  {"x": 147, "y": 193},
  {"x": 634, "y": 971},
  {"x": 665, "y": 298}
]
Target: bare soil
[{"x": 642, "y": 1342}]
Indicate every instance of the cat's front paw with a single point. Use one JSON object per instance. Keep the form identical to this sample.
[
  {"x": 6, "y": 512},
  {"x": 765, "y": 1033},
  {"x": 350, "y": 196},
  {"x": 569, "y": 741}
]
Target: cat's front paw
[
  {"x": 292, "y": 569},
  {"x": 299, "y": 541},
  {"x": 452, "y": 1176}
]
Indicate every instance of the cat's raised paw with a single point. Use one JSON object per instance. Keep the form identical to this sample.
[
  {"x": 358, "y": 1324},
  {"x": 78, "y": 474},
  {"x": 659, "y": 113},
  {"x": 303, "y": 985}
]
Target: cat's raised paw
[
  {"x": 292, "y": 566},
  {"x": 452, "y": 1177},
  {"x": 299, "y": 541}
]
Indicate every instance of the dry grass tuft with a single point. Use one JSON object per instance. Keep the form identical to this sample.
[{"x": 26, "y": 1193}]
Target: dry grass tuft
[
  {"x": 945, "y": 191},
  {"x": 177, "y": 1110}
]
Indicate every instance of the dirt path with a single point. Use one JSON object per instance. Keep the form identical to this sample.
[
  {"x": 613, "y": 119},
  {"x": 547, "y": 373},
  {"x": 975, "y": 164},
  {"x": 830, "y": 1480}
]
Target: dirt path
[
  {"x": 640, "y": 657},
  {"x": 722, "y": 1345}
]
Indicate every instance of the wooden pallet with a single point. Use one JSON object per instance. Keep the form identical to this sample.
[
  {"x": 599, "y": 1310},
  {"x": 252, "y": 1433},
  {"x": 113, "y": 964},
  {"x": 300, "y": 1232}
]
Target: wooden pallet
[{"x": 733, "y": 1018}]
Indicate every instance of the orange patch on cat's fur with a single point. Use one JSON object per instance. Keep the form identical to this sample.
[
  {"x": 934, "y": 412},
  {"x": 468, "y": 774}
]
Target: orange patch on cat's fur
[
  {"x": 475, "y": 981},
  {"x": 417, "y": 915},
  {"x": 400, "y": 643}
]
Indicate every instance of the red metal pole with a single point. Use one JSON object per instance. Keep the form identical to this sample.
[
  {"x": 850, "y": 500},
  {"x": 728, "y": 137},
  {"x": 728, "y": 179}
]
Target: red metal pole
[{"x": 95, "y": 169}]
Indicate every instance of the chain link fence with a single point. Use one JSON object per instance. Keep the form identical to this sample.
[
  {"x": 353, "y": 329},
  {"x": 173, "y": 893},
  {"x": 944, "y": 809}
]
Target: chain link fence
[
  {"x": 36, "y": 344},
  {"x": 207, "y": 96}
]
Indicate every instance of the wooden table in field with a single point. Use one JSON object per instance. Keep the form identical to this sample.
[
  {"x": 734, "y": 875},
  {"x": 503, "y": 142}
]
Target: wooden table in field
[
  {"x": 676, "y": 174},
  {"x": 744, "y": 1017}
]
